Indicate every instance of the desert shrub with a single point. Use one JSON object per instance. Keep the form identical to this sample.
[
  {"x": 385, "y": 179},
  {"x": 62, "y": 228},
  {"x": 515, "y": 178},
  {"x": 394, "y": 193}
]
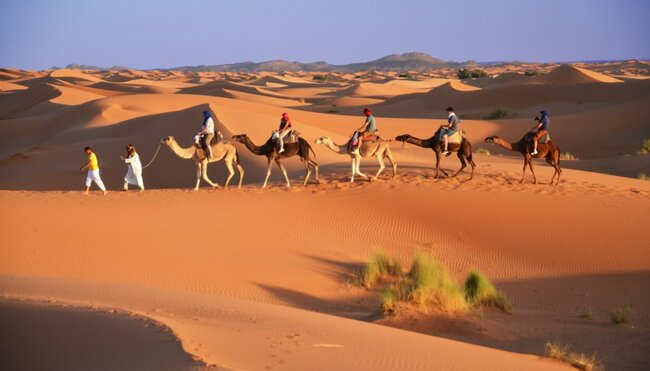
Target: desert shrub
[
  {"x": 645, "y": 147},
  {"x": 479, "y": 290},
  {"x": 320, "y": 77},
  {"x": 427, "y": 283},
  {"x": 533, "y": 73},
  {"x": 483, "y": 151},
  {"x": 430, "y": 283},
  {"x": 405, "y": 75},
  {"x": 578, "y": 360},
  {"x": 466, "y": 73},
  {"x": 643, "y": 176},
  {"x": 586, "y": 312},
  {"x": 568, "y": 156},
  {"x": 497, "y": 114},
  {"x": 379, "y": 267},
  {"x": 620, "y": 315},
  {"x": 387, "y": 300}
]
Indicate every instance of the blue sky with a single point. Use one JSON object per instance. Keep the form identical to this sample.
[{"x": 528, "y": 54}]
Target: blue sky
[{"x": 37, "y": 34}]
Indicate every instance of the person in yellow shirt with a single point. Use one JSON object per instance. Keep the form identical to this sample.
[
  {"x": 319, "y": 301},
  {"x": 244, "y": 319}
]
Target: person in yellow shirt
[{"x": 93, "y": 171}]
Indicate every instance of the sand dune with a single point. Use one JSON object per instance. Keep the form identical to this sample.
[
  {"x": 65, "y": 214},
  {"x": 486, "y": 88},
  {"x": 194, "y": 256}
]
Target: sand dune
[
  {"x": 271, "y": 273},
  {"x": 567, "y": 74}
]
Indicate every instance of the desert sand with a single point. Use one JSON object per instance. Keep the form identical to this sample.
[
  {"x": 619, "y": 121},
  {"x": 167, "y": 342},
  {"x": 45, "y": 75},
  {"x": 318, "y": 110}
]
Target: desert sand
[{"x": 263, "y": 279}]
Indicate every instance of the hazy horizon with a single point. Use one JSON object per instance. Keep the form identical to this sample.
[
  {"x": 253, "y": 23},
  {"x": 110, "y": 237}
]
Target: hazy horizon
[{"x": 38, "y": 34}]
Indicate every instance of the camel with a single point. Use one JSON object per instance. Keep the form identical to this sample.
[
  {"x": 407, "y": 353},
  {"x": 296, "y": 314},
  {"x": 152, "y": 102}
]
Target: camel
[
  {"x": 379, "y": 149},
  {"x": 462, "y": 149},
  {"x": 220, "y": 150},
  {"x": 548, "y": 151},
  {"x": 270, "y": 150}
]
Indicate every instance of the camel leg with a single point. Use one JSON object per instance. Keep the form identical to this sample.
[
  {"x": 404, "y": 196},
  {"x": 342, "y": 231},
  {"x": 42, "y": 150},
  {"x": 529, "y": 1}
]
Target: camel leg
[
  {"x": 358, "y": 169},
  {"x": 231, "y": 171},
  {"x": 268, "y": 173},
  {"x": 463, "y": 164},
  {"x": 556, "y": 172},
  {"x": 284, "y": 172},
  {"x": 437, "y": 164},
  {"x": 392, "y": 162},
  {"x": 530, "y": 164},
  {"x": 315, "y": 166},
  {"x": 382, "y": 166},
  {"x": 198, "y": 176},
  {"x": 523, "y": 174},
  {"x": 204, "y": 173},
  {"x": 354, "y": 168},
  {"x": 241, "y": 174},
  {"x": 473, "y": 165},
  {"x": 307, "y": 172}
]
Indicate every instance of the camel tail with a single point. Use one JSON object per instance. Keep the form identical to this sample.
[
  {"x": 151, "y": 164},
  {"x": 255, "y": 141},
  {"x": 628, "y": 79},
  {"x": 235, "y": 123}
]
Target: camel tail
[{"x": 312, "y": 151}]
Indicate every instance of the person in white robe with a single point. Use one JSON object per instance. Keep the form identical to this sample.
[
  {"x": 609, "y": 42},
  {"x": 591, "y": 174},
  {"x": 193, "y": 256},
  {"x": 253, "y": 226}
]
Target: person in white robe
[{"x": 134, "y": 172}]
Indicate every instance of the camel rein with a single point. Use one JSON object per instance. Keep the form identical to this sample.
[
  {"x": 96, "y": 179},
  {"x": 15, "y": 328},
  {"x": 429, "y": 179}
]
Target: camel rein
[{"x": 154, "y": 157}]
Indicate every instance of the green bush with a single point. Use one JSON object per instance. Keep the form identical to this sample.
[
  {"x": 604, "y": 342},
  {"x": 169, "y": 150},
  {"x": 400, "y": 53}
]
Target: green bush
[
  {"x": 479, "y": 290},
  {"x": 320, "y": 77},
  {"x": 497, "y": 114},
  {"x": 620, "y": 315},
  {"x": 533, "y": 73},
  {"x": 431, "y": 283},
  {"x": 387, "y": 300},
  {"x": 405, "y": 75},
  {"x": 379, "y": 267},
  {"x": 466, "y": 73},
  {"x": 645, "y": 147}
]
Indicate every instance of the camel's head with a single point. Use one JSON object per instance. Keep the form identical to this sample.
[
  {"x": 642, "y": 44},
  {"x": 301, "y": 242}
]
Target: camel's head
[
  {"x": 491, "y": 139},
  {"x": 322, "y": 140},
  {"x": 240, "y": 137},
  {"x": 402, "y": 138},
  {"x": 167, "y": 140}
]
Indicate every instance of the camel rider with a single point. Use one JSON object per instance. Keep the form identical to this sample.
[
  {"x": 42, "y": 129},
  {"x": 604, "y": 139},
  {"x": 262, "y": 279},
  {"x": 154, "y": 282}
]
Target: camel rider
[
  {"x": 207, "y": 133},
  {"x": 450, "y": 129},
  {"x": 540, "y": 129},
  {"x": 369, "y": 127},
  {"x": 284, "y": 130}
]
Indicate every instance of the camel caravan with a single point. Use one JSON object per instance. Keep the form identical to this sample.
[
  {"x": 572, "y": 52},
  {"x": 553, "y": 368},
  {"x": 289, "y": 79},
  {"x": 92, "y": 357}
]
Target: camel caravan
[{"x": 285, "y": 142}]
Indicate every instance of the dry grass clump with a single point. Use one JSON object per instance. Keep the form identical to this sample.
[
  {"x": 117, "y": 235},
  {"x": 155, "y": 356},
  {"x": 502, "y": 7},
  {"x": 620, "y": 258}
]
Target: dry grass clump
[
  {"x": 482, "y": 151},
  {"x": 429, "y": 284},
  {"x": 643, "y": 176},
  {"x": 586, "y": 312},
  {"x": 578, "y": 360},
  {"x": 497, "y": 114},
  {"x": 379, "y": 267},
  {"x": 480, "y": 291},
  {"x": 568, "y": 156},
  {"x": 621, "y": 315}
]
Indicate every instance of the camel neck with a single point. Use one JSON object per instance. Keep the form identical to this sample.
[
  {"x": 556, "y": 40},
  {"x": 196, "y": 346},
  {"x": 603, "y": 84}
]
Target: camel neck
[
  {"x": 420, "y": 142},
  {"x": 337, "y": 148},
  {"x": 252, "y": 147},
  {"x": 186, "y": 153},
  {"x": 506, "y": 145}
]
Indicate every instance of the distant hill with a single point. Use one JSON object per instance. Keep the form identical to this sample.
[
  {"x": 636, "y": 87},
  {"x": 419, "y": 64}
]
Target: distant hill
[
  {"x": 402, "y": 62},
  {"x": 414, "y": 61}
]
